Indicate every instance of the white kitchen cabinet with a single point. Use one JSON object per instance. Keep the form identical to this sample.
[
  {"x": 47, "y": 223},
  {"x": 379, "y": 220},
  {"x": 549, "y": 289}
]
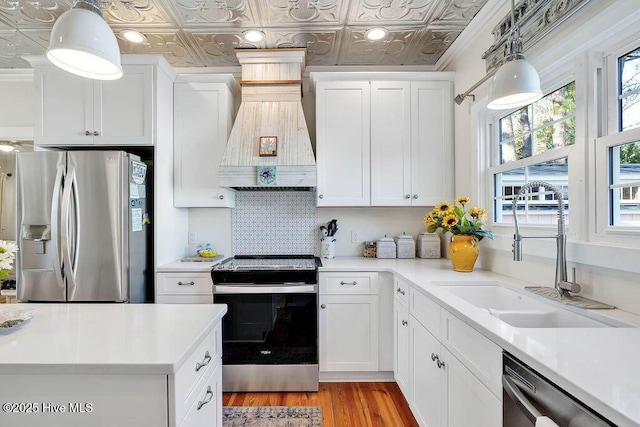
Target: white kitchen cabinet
[
  {"x": 348, "y": 333},
  {"x": 203, "y": 115},
  {"x": 384, "y": 142},
  {"x": 348, "y": 322},
  {"x": 76, "y": 111},
  {"x": 125, "y": 400},
  {"x": 343, "y": 143},
  {"x": 401, "y": 359},
  {"x": 469, "y": 402},
  {"x": 184, "y": 288},
  {"x": 428, "y": 387}
]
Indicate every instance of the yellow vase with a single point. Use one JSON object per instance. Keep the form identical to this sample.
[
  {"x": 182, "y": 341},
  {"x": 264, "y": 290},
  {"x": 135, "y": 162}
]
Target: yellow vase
[{"x": 463, "y": 252}]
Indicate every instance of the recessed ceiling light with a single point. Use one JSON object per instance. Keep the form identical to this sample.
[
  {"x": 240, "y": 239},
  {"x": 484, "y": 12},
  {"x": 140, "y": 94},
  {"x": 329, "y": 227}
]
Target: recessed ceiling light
[
  {"x": 253, "y": 36},
  {"x": 377, "y": 33},
  {"x": 133, "y": 36}
]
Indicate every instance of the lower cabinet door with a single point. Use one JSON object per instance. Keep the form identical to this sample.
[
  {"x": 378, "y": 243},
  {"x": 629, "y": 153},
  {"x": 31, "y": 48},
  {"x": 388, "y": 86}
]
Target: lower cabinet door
[
  {"x": 428, "y": 390},
  {"x": 348, "y": 333},
  {"x": 401, "y": 348},
  {"x": 206, "y": 410},
  {"x": 469, "y": 402}
]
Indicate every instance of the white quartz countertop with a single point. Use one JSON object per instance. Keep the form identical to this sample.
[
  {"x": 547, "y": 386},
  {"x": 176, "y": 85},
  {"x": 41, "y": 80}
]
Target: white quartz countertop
[
  {"x": 106, "y": 338},
  {"x": 599, "y": 366},
  {"x": 180, "y": 266}
]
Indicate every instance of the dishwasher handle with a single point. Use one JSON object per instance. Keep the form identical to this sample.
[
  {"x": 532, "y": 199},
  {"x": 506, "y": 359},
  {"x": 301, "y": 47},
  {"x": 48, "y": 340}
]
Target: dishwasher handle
[{"x": 520, "y": 399}]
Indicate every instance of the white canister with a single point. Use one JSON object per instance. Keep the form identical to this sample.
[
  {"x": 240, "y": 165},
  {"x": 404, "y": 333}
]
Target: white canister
[
  {"x": 385, "y": 248},
  {"x": 428, "y": 245},
  {"x": 405, "y": 246},
  {"x": 327, "y": 248}
]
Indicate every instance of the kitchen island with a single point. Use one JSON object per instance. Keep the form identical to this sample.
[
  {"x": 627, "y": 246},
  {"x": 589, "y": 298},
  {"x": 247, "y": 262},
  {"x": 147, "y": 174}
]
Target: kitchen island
[{"x": 113, "y": 364}]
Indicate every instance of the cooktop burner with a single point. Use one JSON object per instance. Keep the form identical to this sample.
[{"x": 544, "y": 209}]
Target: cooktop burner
[
  {"x": 269, "y": 262},
  {"x": 267, "y": 269}
]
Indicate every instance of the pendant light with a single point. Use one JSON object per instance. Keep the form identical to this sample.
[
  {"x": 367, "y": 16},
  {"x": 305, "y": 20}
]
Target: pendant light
[
  {"x": 516, "y": 83},
  {"x": 83, "y": 44}
]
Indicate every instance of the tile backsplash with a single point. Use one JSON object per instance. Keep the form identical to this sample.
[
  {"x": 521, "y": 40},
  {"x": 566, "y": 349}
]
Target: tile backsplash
[{"x": 275, "y": 222}]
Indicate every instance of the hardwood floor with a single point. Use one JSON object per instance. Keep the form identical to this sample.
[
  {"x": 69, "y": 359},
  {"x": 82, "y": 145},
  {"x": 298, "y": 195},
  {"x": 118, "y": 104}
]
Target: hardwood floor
[{"x": 343, "y": 404}]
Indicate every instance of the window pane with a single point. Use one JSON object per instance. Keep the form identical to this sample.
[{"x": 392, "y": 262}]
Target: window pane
[
  {"x": 542, "y": 126},
  {"x": 538, "y": 207},
  {"x": 629, "y": 90},
  {"x": 625, "y": 184}
]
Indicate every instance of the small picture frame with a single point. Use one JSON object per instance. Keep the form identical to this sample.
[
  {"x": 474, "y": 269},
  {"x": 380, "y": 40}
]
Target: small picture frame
[{"x": 268, "y": 146}]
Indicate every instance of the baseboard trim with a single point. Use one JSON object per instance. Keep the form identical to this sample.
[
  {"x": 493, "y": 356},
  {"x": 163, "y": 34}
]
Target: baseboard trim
[{"x": 328, "y": 377}]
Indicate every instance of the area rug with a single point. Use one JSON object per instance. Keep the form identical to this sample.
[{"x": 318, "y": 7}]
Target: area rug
[{"x": 272, "y": 416}]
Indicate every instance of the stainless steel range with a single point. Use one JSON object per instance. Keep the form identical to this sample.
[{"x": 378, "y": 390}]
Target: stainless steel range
[{"x": 270, "y": 332}]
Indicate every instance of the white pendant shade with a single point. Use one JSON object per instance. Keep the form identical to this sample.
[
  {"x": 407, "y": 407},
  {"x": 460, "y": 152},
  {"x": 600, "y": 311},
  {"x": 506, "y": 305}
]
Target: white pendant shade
[
  {"x": 83, "y": 44},
  {"x": 516, "y": 83}
]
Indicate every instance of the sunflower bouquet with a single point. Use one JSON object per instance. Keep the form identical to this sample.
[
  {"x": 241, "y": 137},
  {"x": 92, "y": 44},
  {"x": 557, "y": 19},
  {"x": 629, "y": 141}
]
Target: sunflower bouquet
[{"x": 457, "y": 219}]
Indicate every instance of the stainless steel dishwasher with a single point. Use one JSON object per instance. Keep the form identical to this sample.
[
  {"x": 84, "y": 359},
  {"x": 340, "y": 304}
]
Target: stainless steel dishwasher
[{"x": 527, "y": 395}]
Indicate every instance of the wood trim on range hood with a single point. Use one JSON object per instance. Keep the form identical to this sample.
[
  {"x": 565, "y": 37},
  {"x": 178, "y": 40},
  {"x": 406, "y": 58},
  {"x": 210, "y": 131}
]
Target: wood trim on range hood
[{"x": 271, "y": 106}]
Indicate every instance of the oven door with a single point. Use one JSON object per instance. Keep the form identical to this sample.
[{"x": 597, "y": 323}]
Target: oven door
[{"x": 269, "y": 324}]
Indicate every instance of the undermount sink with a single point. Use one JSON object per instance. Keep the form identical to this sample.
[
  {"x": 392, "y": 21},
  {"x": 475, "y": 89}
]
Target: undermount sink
[{"x": 521, "y": 310}]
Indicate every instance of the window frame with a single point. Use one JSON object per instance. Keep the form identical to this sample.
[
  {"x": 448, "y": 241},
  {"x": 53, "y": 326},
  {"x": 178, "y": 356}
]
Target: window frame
[{"x": 562, "y": 76}]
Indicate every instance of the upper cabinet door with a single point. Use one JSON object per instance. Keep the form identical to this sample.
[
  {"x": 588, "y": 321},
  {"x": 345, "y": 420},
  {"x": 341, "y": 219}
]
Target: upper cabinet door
[
  {"x": 432, "y": 142},
  {"x": 342, "y": 146},
  {"x": 390, "y": 143},
  {"x": 64, "y": 107},
  {"x": 76, "y": 111},
  {"x": 123, "y": 108},
  {"x": 202, "y": 122}
]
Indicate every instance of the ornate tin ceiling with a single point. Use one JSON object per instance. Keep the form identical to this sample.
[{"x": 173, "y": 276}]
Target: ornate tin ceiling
[{"x": 203, "y": 33}]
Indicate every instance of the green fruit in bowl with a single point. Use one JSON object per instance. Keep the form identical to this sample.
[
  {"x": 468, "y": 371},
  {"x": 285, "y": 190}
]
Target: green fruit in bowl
[{"x": 207, "y": 253}]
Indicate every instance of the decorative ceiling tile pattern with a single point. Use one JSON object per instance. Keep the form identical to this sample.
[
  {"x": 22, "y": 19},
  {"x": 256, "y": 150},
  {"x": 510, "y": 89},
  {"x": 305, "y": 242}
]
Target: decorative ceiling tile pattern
[{"x": 204, "y": 33}]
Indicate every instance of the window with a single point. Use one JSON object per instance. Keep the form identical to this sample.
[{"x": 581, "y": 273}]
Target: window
[
  {"x": 618, "y": 154},
  {"x": 533, "y": 144}
]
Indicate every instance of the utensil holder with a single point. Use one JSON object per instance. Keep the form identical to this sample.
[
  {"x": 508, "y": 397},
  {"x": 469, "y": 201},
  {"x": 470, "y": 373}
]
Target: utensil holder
[{"x": 327, "y": 248}]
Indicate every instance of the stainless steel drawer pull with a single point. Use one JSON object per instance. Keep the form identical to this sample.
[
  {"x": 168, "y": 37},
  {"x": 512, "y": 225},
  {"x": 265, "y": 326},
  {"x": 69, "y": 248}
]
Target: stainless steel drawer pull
[
  {"x": 404, "y": 323},
  {"x": 205, "y": 361},
  {"x": 349, "y": 283},
  {"x": 186, "y": 283},
  {"x": 207, "y": 398},
  {"x": 400, "y": 291}
]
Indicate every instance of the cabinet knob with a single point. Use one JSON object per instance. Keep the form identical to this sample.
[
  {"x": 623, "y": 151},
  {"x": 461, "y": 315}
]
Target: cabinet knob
[
  {"x": 87, "y": 133},
  {"x": 404, "y": 322},
  {"x": 321, "y": 196},
  {"x": 323, "y": 306},
  {"x": 407, "y": 196},
  {"x": 400, "y": 291},
  {"x": 415, "y": 196},
  {"x": 433, "y": 357},
  {"x": 440, "y": 364},
  {"x": 221, "y": 197},
  {"x": 95, "y": 133}
]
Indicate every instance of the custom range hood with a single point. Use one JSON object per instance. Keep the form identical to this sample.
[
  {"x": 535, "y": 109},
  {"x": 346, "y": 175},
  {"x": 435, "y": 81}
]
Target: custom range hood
[{"x": 269, "y": 146}]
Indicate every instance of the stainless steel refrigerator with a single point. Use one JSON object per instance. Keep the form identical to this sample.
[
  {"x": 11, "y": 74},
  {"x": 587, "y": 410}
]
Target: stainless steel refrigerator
[{"x": 82, "y": 226}]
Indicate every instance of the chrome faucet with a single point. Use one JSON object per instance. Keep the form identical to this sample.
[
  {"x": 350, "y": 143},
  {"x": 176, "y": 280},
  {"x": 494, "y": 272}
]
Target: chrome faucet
[{"x": 562, "y": 285}]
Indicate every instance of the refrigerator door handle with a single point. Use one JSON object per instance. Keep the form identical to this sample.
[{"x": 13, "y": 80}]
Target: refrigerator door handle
[
  {"x": 70, "y": 271},
  {"x": 55, "y": 219}
]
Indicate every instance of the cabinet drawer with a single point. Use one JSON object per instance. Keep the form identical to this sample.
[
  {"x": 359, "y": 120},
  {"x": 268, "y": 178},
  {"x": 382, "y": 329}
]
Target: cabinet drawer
[
  {"x": 401, "y": 291},
  {"x": 184, "y": 299},
  {"x": 206, "y": 410},
  {"x": 349, "y": 283},
  {"x": 425, "y": 310},
  {"x": 480, "y": 355},
  {"x": 184, "y": 284},
  {"x": 198, "y": 365}
]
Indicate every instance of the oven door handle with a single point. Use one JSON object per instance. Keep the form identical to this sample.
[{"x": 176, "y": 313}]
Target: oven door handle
[
  {"x": 520, "y": 399},
  {"x": 258, "y": 289}
]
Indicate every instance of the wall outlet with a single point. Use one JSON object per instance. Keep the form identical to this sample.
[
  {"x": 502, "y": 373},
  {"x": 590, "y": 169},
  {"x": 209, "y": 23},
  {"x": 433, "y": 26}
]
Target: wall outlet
[
  {"x": 354, "y": 237},
  {"x": 192, "y": 237}
]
